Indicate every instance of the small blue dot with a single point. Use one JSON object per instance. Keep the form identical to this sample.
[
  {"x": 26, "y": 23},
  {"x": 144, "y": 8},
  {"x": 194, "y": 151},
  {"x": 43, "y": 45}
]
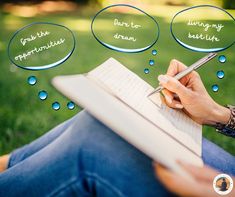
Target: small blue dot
[
  {"x": 151, "y": 62},
  {"x": 154, "y": 52},
  {"x": 222, "y": 59},
  {"x": 220, "y": 74},
  {"x": 32, "y": 80},
  {"x": 215, "y": 88},
  {"x": 146, "y": 71},
  {"x": 56, "y": 106},
  {"x": 42, "y": 95},
  {"x": 70, "y": 105}
]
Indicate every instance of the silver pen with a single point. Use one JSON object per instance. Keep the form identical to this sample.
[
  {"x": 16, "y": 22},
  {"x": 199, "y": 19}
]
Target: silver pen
[{"x": 188, "y": 70}]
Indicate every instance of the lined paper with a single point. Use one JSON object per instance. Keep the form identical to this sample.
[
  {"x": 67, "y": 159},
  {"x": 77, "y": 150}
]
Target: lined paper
[{"x": 132, "y": 90}]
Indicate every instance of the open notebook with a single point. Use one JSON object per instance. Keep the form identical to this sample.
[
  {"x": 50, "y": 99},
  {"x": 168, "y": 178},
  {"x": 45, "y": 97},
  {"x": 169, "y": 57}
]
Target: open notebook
[{"x": 118, "y": 97}]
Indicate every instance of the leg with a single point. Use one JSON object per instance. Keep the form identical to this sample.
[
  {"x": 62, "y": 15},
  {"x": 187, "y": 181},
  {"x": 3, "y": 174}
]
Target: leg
[
  {"x": 20, "y": 154},
  {"x": 86, "y": 160},
  {"x": 4, "y": 162},
  {"x": 218, "y": 158},
  {"x": 89, "y": 160}
]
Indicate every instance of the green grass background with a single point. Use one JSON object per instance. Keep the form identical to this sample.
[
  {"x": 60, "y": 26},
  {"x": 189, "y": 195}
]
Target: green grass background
[{"x": 23, "y": 117}]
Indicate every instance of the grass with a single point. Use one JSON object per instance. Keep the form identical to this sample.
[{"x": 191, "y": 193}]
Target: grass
[{"x": 23, "y": 117}]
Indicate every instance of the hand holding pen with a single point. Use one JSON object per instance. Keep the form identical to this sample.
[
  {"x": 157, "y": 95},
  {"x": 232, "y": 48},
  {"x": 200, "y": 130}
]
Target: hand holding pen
[
  {"x": 192, "y": 96},
  {"x": 188, "y": 70}
]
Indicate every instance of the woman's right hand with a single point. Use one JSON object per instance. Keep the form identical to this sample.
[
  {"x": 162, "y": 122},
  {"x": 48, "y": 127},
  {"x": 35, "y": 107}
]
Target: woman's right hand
[{"x": 190, "y": 95}]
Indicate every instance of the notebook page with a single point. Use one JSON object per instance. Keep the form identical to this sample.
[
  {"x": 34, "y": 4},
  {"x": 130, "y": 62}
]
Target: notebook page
[{"x": 132, "y": 90}]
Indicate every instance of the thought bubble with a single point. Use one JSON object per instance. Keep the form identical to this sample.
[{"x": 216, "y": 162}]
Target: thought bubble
[
  {"x": 125, "y": 28},
  {"x": 204, "y": 28},
  {"x": 41, "y": 45}
]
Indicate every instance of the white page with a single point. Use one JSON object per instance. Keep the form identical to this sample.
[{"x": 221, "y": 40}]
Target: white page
[
  {"x": 126, "y": 122},
  {"x": 132, "y": 90}
]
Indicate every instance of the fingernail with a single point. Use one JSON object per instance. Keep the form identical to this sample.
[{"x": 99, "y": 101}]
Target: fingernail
[
  {"x": 179, "y": 106},
  {"x": 174, "y": 62},
  {"x": 163, "y": 79},
  {"x": 168, "y": 99}
]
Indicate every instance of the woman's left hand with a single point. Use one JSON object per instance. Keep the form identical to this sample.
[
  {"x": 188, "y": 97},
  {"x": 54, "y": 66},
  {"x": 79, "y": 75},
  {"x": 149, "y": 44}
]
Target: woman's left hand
[{"x": 201, "y": 185}]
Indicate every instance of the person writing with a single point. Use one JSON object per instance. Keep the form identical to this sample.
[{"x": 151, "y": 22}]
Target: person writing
[{"x": 82, "y": 157}]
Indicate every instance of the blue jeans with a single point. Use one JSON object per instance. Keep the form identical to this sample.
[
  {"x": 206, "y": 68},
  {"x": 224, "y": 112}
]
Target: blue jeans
[{"x": 82, "y": 157}]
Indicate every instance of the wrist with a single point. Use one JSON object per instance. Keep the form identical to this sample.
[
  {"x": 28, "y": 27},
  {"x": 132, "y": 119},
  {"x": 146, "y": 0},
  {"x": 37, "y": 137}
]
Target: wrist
[{"x": 220, "y": 115}]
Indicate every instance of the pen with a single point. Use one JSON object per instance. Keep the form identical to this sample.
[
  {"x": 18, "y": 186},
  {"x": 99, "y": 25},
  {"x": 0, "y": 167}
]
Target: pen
[{"x": 188, "y": 70}]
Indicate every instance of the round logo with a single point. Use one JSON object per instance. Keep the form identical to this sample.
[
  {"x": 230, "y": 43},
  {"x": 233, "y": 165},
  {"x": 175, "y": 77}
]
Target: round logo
[{"x": 223, "y": 184}]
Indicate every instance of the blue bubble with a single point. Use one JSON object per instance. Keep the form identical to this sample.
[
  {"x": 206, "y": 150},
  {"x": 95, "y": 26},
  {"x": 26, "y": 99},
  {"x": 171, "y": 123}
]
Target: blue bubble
[
  {"x": 222, "y": 59},
  {"x": 220, "y": 74},
  {"x": 215, "y": 88},
  {"x": 32, "y": 80},
  {"x": 151, "y": 62},
  {"x": 56, "y": 106},
  {"x": 42, "y": 95},
  {"x": 189, "y": 39},
  {"x": 38, "y": 43},
  {"x": 123, "y": 16},
  {"x": 154, "y": 52},
  {"x": 70, "y": 105},
  {"x": 146, "y": 71}
]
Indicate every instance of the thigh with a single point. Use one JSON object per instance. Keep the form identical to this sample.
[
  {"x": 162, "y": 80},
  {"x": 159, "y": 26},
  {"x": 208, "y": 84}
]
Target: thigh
[
  {"x": 217, "y": 158},
  {"x": 27, "y": 150},
  {"x": 106, "y": 157},
  {"x": 86, "y": 160}
]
